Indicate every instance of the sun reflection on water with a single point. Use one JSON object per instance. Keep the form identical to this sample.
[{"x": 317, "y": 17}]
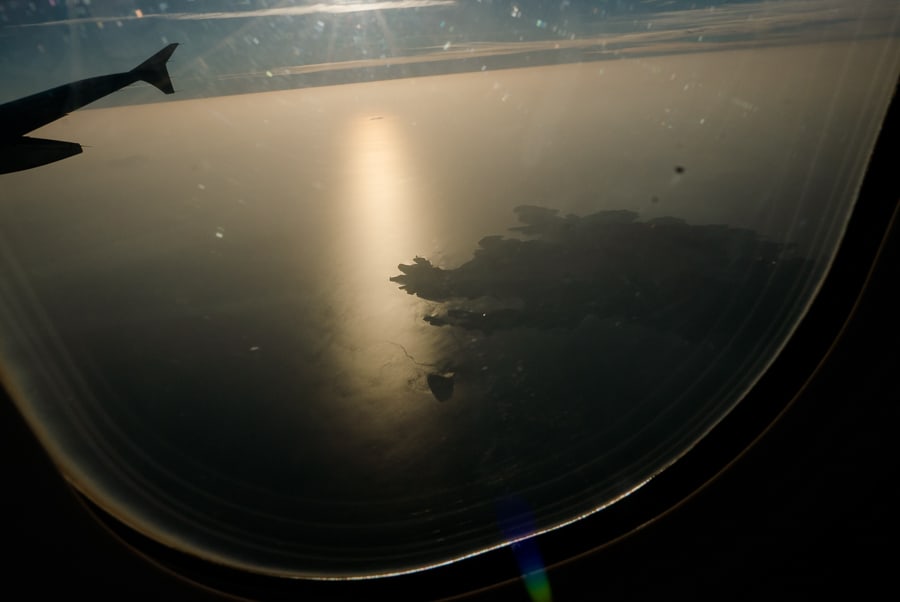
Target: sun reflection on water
[{"x": 382, "y": 348}]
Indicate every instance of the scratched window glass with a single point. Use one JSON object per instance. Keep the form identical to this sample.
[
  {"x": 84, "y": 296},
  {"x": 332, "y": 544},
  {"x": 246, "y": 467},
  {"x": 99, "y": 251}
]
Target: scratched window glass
[{"x": 337, "y": 288}]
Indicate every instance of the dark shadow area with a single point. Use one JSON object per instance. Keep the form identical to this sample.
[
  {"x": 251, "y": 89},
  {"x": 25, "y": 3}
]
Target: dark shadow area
[{"x": 19, "y": 117}]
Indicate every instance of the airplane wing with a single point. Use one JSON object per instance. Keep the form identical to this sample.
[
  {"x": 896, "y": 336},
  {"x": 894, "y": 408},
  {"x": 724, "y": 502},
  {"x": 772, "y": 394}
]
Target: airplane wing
[{"x": 24, "y": 115}]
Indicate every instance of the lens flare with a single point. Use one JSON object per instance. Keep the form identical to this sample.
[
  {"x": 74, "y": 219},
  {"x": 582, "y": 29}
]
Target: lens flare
[{"x": 516, "y": 520}]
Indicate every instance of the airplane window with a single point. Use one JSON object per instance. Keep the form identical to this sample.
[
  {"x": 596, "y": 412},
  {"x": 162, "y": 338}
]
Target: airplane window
[{"x": 357, "y": 288}]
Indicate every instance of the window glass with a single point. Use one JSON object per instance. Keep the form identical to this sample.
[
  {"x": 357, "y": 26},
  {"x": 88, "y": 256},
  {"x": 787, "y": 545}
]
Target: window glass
[{"x": 375, "y": 284}]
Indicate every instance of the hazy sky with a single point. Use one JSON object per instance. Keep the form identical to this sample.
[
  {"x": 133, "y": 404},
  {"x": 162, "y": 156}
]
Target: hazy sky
[{"x": 232, "y": 47}]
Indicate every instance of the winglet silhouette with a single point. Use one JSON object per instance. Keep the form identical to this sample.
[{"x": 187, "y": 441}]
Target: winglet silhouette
[{"x": 154, "y": 72}]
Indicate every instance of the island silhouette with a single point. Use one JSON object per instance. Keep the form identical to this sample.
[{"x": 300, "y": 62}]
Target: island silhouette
[{"x": 714, "y": 286}]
